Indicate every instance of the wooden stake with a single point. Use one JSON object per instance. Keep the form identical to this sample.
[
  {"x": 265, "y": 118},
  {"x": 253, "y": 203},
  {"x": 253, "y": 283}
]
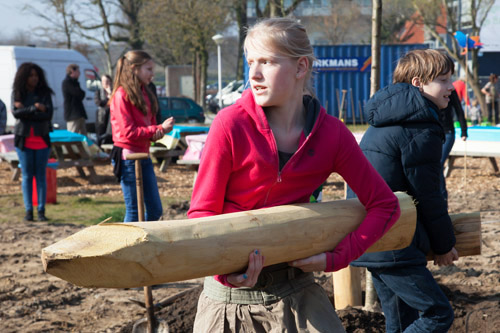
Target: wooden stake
[
  {"x": 342, "y": 105},
  {"x": 353, "y": 109},
  {"x": 126, "y": 255},
  {"x": 360, "y": 113},
  {"x": 347, "y": 287}
]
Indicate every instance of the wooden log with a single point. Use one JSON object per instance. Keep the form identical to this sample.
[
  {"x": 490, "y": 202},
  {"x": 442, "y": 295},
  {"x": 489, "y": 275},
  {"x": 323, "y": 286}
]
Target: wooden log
[
  {"x": 125, "y": 255},
  {"x": 347, "y": 281},
  {"x": 467, "y": 227}
]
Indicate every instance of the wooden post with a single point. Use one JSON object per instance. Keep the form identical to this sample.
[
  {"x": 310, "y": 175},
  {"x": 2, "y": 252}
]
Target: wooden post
[
  {"x": 360, "y": 113},
  {"x": 347, "y": 283},
  {"x": 342, "y": 105},
  {"x": 347, "y": 287},
  {"x": 338, "y": 101},
  {"x": 353, "y": 108}
]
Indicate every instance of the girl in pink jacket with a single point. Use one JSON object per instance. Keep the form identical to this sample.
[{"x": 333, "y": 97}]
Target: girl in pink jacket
[{"x": 275, "y": 146}]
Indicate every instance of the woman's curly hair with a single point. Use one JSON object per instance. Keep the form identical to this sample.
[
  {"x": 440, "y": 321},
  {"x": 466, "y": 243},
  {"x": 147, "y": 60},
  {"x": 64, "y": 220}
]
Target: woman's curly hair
[{"x": 22, "y": 75}]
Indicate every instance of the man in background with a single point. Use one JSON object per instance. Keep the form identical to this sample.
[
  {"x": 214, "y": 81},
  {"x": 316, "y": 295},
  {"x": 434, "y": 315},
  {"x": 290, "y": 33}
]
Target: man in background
[{"x": 74, "y": 111}]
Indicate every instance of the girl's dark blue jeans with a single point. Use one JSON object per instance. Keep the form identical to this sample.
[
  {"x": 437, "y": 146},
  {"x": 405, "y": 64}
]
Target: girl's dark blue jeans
[
  {"x": 152, "y": 201},
  {"x": 412, "y": 300},
  {"x": 34, "y": 164}
]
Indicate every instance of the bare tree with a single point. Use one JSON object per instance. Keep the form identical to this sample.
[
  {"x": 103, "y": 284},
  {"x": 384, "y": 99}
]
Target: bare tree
[
  {"x": 240, "y": 11},
  {"x": 336, "y": 26},
  {"x": 58, "y": 14},
  {"x": 276, "y": 8},
  {"x": 395, "y": 17},
  {"x": 107, "y": 22},
  {"x": 431, "y": 16},
  {"x": 184, "y": 29},
  {"x": 371, "y": 294}
]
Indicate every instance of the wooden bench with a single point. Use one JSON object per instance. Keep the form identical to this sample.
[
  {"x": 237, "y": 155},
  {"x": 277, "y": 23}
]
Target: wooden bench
[
  {"x": 473, "y": 149},
  {"x": 13, "y": 160},
  {"x": 68, "y": 155},
  {"x": 157, "y": 153}
]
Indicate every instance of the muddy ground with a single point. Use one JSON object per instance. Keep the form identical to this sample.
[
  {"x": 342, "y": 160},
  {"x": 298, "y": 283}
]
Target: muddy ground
[{"x": 32, "y": 301}]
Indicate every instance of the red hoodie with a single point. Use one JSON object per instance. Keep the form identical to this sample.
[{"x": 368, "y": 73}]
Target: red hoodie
[{"x": 239, "y": 170}]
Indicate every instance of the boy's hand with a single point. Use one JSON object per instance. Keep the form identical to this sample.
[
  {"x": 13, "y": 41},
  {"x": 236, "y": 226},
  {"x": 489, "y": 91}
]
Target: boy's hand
[
  {"x": 446, "y": 259},
  {"x": 316, "y": 263},
  {"x": 18, "y": 105}
]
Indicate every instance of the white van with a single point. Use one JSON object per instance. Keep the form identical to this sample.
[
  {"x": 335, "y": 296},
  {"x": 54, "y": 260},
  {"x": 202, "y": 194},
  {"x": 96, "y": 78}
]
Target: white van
[{"x": 54, "y": 63}]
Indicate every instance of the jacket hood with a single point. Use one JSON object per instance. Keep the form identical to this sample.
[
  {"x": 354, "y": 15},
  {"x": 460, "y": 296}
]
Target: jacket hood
[{"x": 400, "y": 103}]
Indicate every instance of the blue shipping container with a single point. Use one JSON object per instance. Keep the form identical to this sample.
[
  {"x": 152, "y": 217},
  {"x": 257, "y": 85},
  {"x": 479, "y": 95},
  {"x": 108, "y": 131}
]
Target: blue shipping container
[{"x": 342, "y": 75}]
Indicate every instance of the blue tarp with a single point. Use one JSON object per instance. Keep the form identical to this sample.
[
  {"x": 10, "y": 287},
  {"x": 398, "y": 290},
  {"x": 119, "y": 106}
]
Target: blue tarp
[
  {"x": 179, "y": 129},
  {"x": 481, "y": 133}
]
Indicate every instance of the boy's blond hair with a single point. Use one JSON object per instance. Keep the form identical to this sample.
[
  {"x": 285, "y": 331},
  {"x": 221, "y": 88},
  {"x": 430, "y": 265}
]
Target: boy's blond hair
[{"x": 423, "y": 64}]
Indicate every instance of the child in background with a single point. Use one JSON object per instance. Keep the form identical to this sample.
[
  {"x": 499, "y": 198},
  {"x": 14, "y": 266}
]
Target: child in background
[
  {"x": 404, "y": 144},
  {"x": 276, "y": 146},
  {"x": 133, "y": 110},
  {"x": 475, "y": 112}
]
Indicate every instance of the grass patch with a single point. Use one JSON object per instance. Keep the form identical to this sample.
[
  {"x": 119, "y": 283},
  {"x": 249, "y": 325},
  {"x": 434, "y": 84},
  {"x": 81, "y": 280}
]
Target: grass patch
[{"x": 72, "y": 209}]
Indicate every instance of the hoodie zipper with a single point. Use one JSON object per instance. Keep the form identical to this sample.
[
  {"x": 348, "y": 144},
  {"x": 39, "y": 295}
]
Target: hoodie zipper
[{"x": 278, "y": 178}]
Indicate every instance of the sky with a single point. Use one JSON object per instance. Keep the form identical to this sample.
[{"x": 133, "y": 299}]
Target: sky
[{"x": 12, "y": 18}]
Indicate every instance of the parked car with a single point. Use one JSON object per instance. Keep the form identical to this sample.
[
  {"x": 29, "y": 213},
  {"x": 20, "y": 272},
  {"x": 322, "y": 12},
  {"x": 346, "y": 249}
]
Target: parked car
[
  {"x": 230, "y": 93},
  {"x": 183, "y": 109}
]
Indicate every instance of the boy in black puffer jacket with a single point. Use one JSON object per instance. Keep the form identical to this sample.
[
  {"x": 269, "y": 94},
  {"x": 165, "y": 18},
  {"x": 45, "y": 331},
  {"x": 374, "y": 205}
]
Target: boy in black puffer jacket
[{"x": 404, "y": 144}]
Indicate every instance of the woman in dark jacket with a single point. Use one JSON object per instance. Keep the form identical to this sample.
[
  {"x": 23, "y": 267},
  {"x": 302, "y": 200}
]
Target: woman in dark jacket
[{"x": 32, "y": 108}]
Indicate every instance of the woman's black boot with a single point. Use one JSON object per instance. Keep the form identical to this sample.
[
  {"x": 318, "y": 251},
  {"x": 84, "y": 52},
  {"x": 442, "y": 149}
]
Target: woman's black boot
[
  {"x": 29, "y": 215},
  {"x": 41, "y": 216}
]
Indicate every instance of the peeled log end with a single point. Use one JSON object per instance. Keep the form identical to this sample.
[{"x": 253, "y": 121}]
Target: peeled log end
[{"x": 88, "y": 272}]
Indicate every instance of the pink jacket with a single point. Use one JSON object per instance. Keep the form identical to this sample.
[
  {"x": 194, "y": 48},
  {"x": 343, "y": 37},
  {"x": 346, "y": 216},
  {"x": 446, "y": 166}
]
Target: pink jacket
[
  {"x": 131, "y": 128},
  {"x": 239, "y": 171}
]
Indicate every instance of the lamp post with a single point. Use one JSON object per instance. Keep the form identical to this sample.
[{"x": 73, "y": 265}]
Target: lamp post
[{"x": 219, "y": 39}]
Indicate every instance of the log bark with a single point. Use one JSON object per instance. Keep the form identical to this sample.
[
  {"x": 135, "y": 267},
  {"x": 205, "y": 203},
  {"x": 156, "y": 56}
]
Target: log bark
[
  {"x": 467, "y": 227},
  {"x": 126, "y": 255}
]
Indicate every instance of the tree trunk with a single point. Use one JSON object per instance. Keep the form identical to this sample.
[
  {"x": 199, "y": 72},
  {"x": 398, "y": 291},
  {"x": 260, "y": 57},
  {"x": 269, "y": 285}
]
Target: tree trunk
[
  {"x": 203, "y": 77},
  {"x": 241, "y": 19},
  {"x": 371, "y": 295},
  {"x": 376, "y": 25}
]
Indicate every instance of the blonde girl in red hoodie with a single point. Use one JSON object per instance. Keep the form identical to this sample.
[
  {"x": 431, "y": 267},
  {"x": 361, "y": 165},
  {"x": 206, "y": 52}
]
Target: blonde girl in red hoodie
[
  {"x": 275, "y": 146},
  {"x": 133, "y": 109}
]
